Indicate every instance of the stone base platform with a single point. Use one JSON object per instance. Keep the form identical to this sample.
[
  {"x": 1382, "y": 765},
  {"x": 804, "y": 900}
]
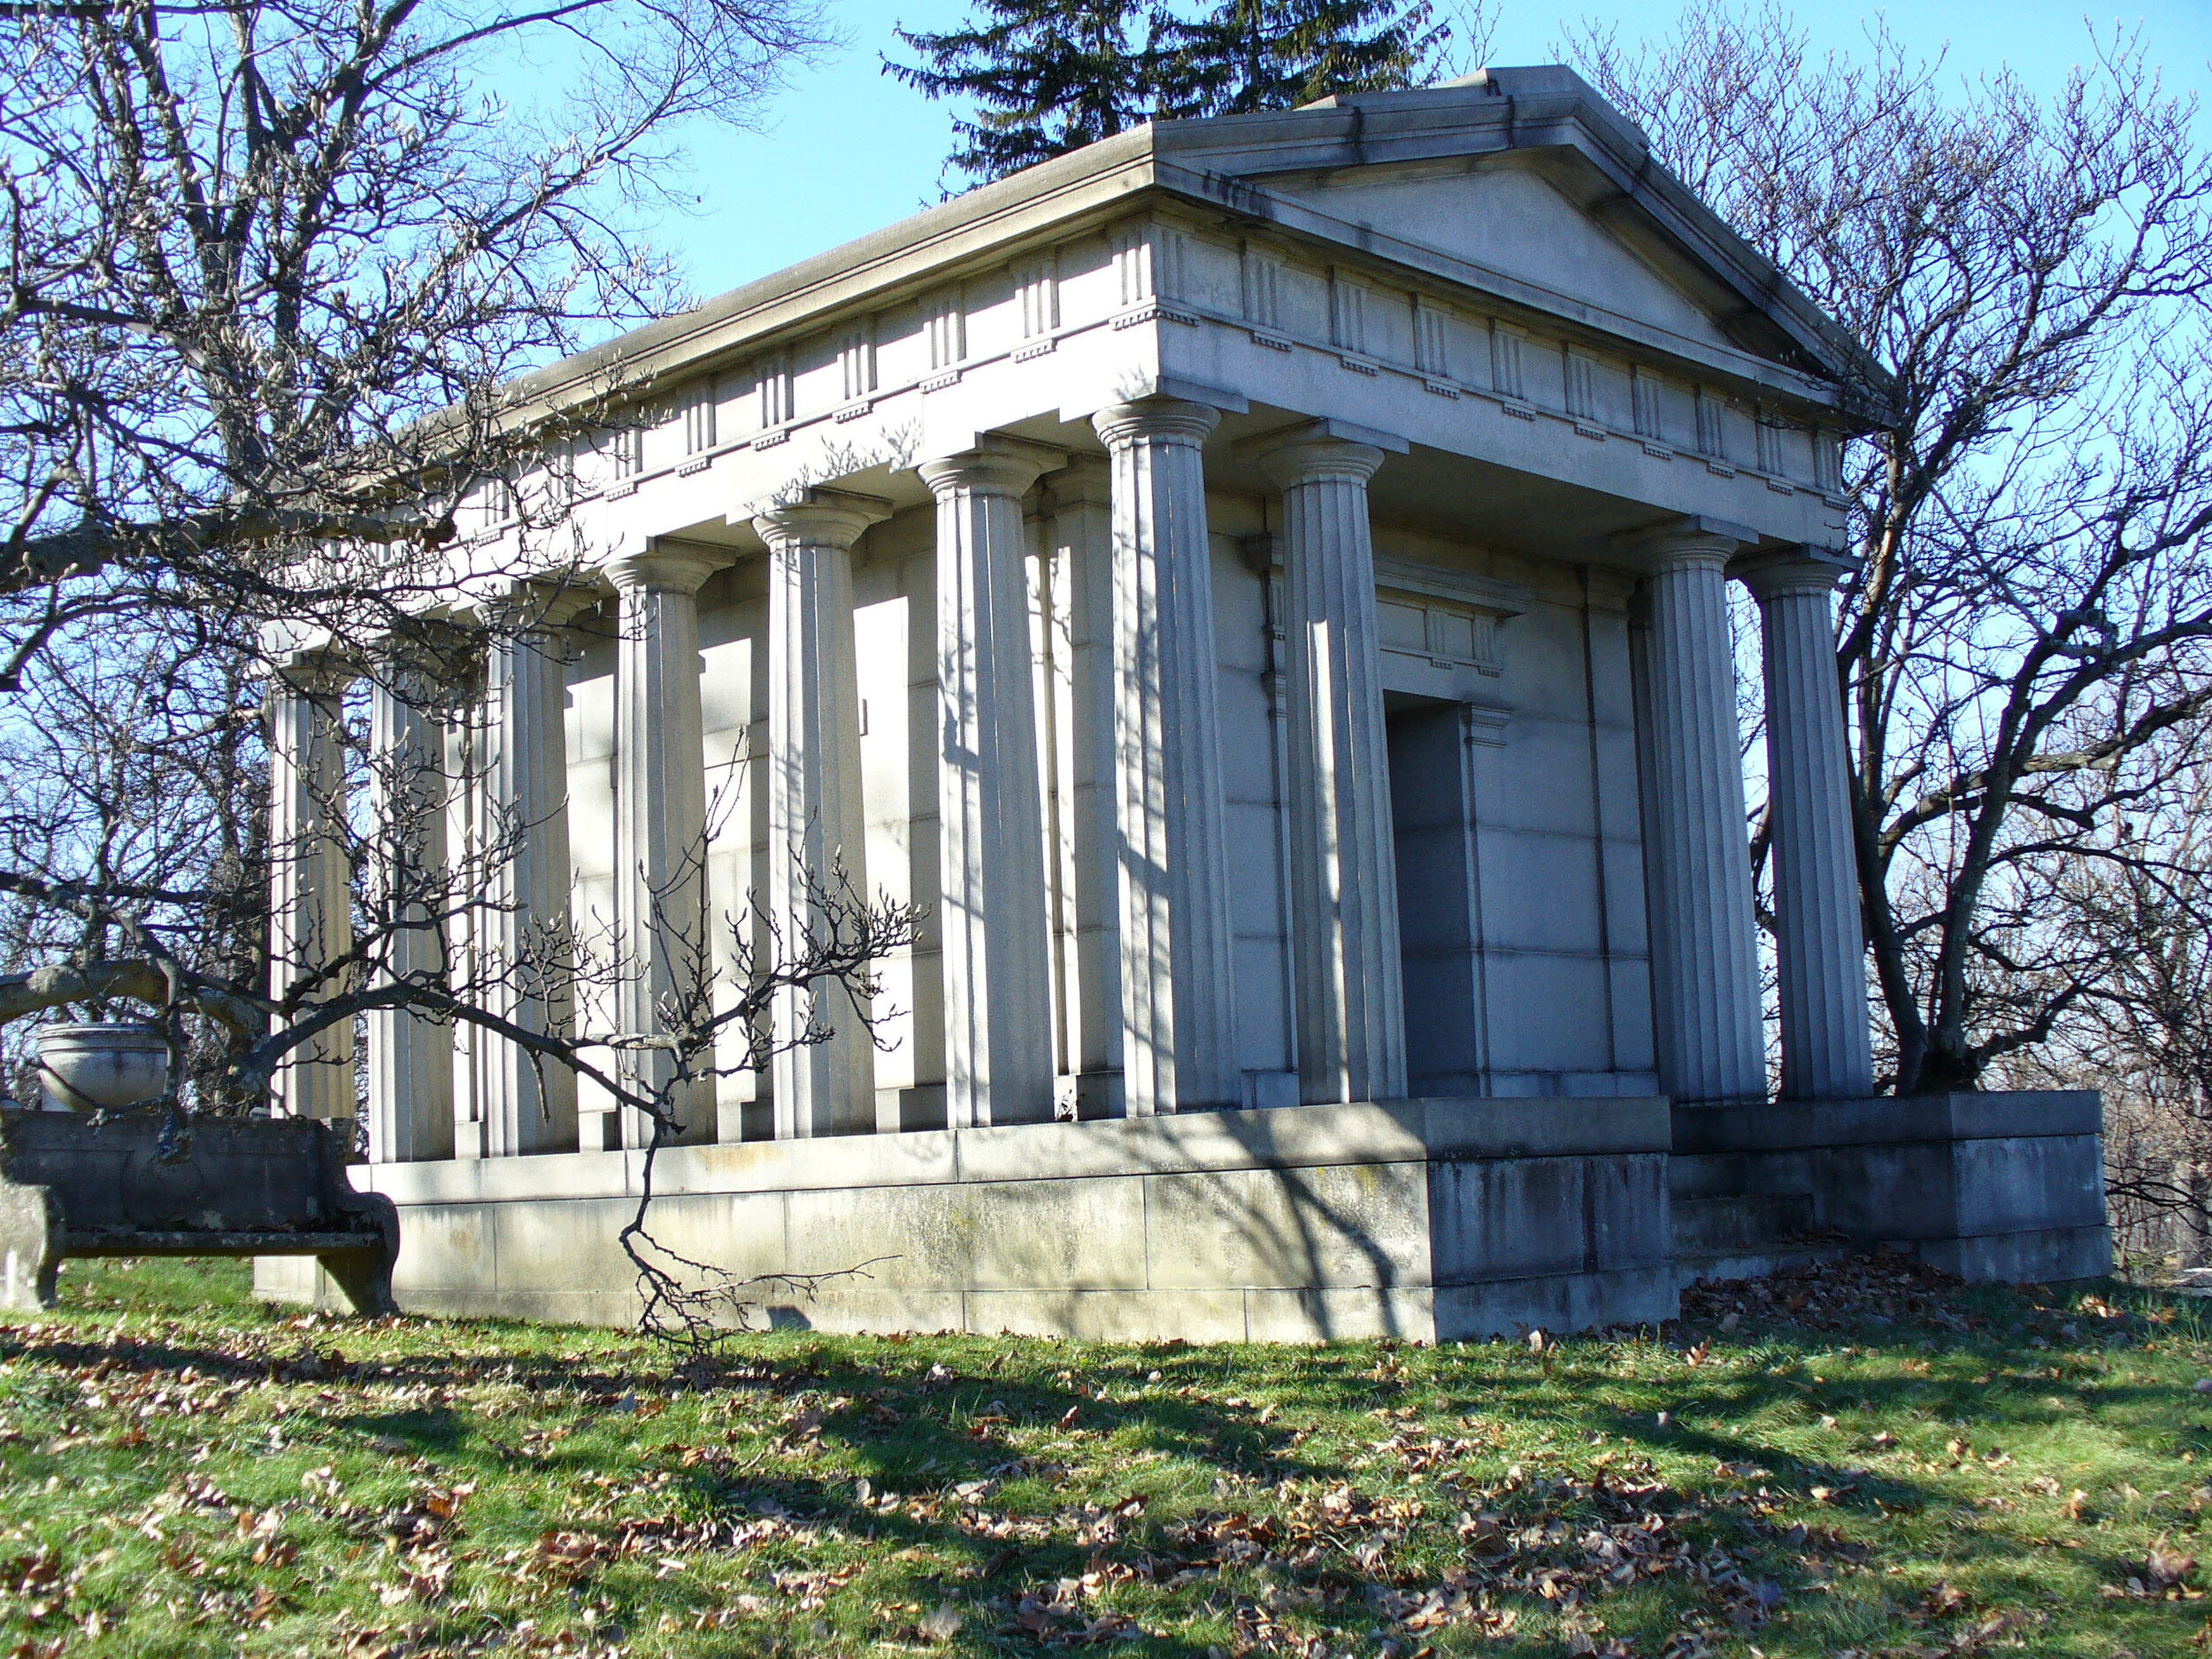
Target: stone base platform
[
  {"x": 1993, "y": 1188},
  {"x": 1433, "y": 1219}
]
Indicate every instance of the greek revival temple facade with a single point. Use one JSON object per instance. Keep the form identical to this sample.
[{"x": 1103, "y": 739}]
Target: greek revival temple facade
[{"x": 1262, "y": 587}]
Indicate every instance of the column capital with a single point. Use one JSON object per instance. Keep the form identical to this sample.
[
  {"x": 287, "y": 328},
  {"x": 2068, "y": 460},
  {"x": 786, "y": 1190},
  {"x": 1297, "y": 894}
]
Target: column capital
[
  {"x": 1165, "y": 420},
  {"x": 822, "y": 518},
  {"x": 319, "y": 673},
  {"x": 536, "y": 604},
  {"x": 1797, "y": 570},
  {"x": 1086, "y": 480},
  {"x": 286, "y": 646},
  {"x": 678, "y": 569},
  {"x": 1687, "y": 543},
  {"x": 1313, "y": 451},
  {"x": 430, "y": 677},
  {"x": 997, "y": 465}
]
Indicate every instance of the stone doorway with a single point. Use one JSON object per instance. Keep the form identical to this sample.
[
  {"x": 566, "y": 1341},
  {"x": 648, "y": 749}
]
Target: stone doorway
[{"x": 1439, "y": 918}]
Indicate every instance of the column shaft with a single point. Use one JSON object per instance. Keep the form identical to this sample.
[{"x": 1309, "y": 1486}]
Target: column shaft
[
  {"x": 1820, "y": 949},
  {"x": 311, "y": 921},
  {"x": 465, "y": 745},
  {"x": 1080, "y": 647},
  {"x": 1705, "y": 962},
  {"x": 410, "y": 1058},
  {"x": 992, "y": 912},
  {"x": 817, "y": 827},
  {"x": 525, "y": 948},
  {"x": 1178, "y": 953},
  {"x": 1344, "y": 878},
  {"x": 660, "y": 834}
]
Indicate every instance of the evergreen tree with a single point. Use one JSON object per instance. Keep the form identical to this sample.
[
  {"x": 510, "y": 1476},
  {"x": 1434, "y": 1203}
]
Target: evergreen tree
[
  {"x": 1044, "y": 76},
  {"x": 1250, "y": 55}
]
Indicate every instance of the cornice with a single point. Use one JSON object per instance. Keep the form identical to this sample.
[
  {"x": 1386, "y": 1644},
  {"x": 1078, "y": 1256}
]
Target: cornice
[{"x": 1543, "y": 113}]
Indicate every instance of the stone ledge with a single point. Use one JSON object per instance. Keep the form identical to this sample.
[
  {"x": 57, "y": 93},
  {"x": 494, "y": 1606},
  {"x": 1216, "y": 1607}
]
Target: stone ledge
[
  {"x": 1298, "y": 1137},
  {"x": 1987, "y": 1117},
  {"x": 1885, "y": 1119}
]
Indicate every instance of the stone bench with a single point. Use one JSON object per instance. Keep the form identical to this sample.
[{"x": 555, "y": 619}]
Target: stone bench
[{"x": 72, "y": 1186}]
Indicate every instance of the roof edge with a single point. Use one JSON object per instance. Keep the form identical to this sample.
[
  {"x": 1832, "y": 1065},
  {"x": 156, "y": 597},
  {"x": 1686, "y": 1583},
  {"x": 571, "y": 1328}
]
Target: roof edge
[
  {"x": 1496, "y": 111},
  {"x": 1541, "y": 107}
]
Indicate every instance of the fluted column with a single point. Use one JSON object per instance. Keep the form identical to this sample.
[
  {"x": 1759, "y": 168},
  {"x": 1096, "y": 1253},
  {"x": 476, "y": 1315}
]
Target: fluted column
[
  {"x": 816, "y": 829},
  {"x": 1178, "y": 1045},
  {"x": 1705, "y": 960},
  {"x": 310, "y": 920},
  {"x": 1079, "y": 508},
  {"x": 1820, "y": 949},
  {"x": 1344, "y": 874},
  {"x": 524, "y": 943},
  {"x": 992, "y": 913},
  {"x": 661, "y": 906},
  {"x": 410, "y": 1057},
  {"x": 465, "y": 741}
]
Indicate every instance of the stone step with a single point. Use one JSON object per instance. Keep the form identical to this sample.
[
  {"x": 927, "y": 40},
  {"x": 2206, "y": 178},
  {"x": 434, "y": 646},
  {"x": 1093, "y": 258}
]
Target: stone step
[
  {"x": 1739, "y": 1221},
  {"x": 1726, "y": 1174},
  {"x": 1717, "y": 1266}
]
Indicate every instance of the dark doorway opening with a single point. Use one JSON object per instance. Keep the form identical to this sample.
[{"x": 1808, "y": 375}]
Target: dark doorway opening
[{"x": 1439, "y": 921}]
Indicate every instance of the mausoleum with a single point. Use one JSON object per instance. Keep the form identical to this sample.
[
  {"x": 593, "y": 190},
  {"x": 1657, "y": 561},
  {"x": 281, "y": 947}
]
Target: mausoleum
[{"x": 1263, "y": 587}]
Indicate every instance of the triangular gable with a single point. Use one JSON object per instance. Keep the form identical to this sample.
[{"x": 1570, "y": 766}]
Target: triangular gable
[
  {"x": 1508, "y": 219},
  {"x": 1549, "y": 182}
]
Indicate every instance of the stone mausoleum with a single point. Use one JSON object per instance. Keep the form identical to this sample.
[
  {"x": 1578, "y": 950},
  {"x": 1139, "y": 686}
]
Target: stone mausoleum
[{"x": 1263, "y": 586}]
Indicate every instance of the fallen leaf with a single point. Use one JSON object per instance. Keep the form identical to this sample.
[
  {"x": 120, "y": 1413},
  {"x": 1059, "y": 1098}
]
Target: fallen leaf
[
  {"x": 2168, "y": 1566},
  {"x": 943, "y": 1625}
]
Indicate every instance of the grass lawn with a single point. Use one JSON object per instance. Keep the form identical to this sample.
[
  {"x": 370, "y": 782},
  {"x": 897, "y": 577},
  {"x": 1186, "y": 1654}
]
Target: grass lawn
[{"x": 1860, "y": 1462}]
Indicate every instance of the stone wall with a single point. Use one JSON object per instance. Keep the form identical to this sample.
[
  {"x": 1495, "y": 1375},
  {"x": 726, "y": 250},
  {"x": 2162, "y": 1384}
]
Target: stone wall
[
  {"x": 1995, "y": 1188},
  {"x": 1434, "y": 1219}
]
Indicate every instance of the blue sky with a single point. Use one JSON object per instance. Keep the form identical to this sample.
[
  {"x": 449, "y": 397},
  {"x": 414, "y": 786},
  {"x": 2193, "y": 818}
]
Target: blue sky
[{"x": 847, "y": 149}]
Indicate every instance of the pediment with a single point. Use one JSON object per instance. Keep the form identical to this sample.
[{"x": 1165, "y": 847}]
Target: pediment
[
  {"x": 1509, "y": 219},
  {"x": 1526, "y": 175}
]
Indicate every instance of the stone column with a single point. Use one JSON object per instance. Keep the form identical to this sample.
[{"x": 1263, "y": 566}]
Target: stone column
[
  {"x": 660, "y": 824},
  {"x": 465, "y": 746},
  {"x": 1820, "y": 949},
  {"x": 1079, "y": 544},
  {"x": 991, "y": 904},
  {"x": 311, "y": 918},
  {"x": 523, "y": 940},
  {"x": 1344, "y": 876},
  {"x": 1178, "y": 1043},
  {"x": 1704, "y": 947},
  {"x": 816, "y": 829},
  {"x": 410, "y": 1058}
]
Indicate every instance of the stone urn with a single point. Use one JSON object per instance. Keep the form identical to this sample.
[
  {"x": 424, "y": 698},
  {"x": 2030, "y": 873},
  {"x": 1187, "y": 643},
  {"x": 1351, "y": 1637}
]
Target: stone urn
[{"x": 105, "y": 1065}]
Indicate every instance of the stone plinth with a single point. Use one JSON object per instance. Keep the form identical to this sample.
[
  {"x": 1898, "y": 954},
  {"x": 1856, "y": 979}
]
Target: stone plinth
[
  {"x": 1434, "y": 1219},
  {"x": 2003, "y": 1188}
]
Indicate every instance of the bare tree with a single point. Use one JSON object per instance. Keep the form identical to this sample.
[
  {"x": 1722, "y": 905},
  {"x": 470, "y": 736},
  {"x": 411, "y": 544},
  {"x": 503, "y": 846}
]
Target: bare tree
[
  {"x": 133, "y": 841},
  {"x": 2136, "y": 967},
  {"x": 830, "y": 959},
  {"x": 2031, "y": 617},
  {"x": 419, "y": 917},
  {"x": 274, "y": 268}
]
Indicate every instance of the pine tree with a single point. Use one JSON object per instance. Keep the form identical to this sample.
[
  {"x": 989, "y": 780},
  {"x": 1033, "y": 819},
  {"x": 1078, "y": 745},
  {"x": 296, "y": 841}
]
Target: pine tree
[
  {"x": 1045, "y": 77},
  {"x": 1250, "y": 55}
]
